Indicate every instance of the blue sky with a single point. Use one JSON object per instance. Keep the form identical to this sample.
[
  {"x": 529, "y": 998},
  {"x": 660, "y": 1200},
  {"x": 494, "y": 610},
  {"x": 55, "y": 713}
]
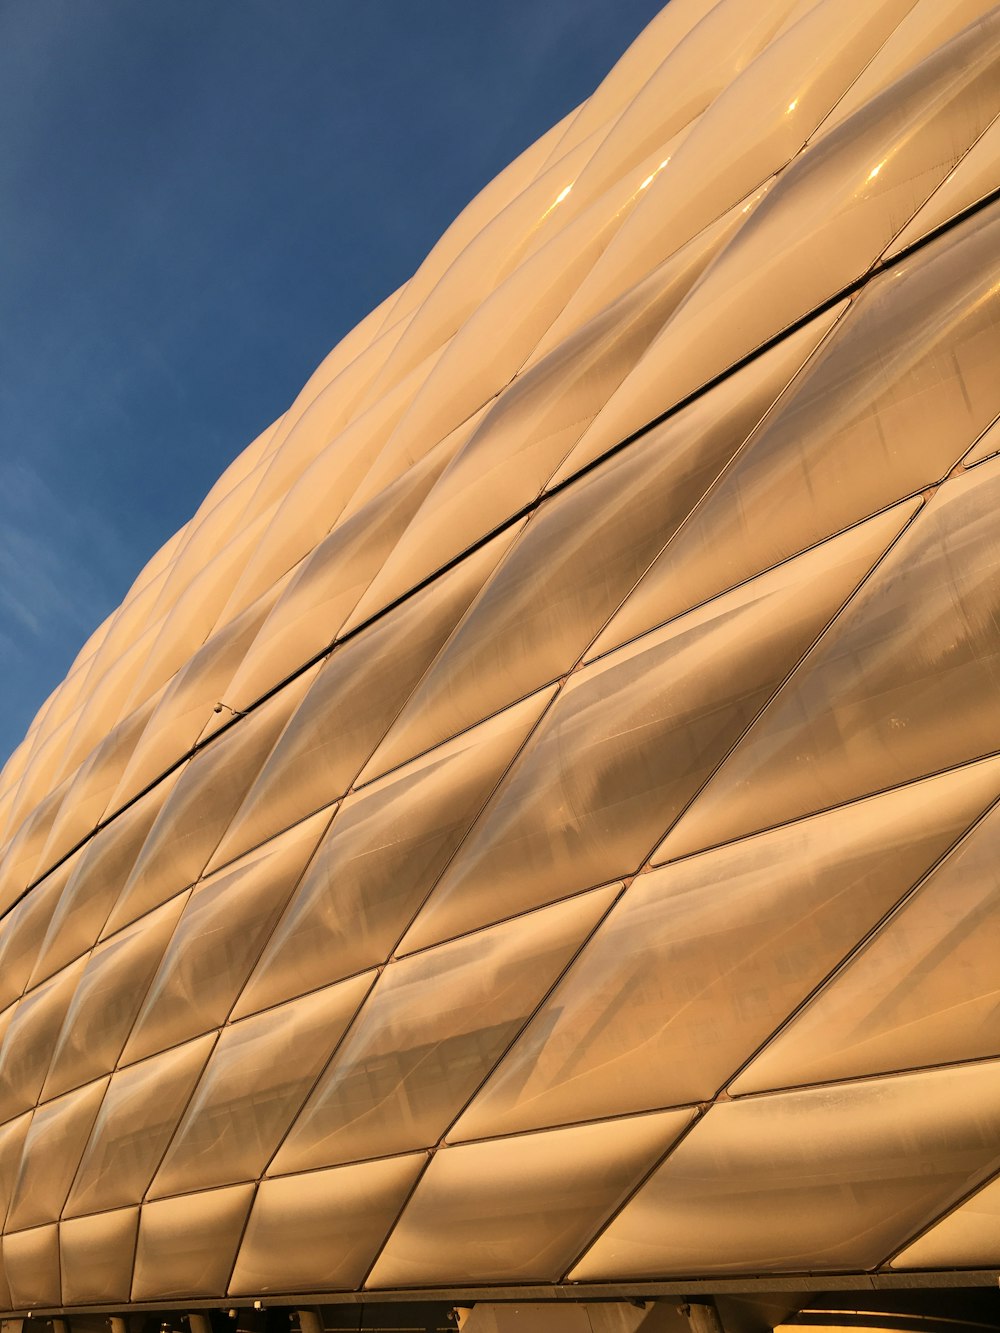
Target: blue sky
[{"x": 198, "y": 198}]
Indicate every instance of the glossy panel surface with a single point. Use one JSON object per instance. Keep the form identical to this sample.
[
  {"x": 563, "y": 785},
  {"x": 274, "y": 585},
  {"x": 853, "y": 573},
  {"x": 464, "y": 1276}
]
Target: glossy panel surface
[
  {"x": 887, "y": 407},
  {"x": 260, "y": 1073},
  {"x": 899, "y": 688},
  {"x": 334, "y": 1220},
  {"x": 831, "y": 214},
  {"x": 186, "y": 1245},
  {"x": 631, "y": 739},
  {"x": 923, "y": 990},
  {"x": 430, "y": 1033},
  {"x": 52, "y": 1147},
  {"x": 140, "y": 1111},
  {"x": 358, "y": 691},
  {"x": 222, "y": 929},
  {"x": 381, "y": 858},
  {"x": 198, "y": 810},
  {"x": 974, "y": 178},
  {"x": 31, "y": 1263},
  {"x": 700, "y": 961},
  {"x": 97, "y": 876},
  {"x": 580, "y": 555},
  {"x": 30, "y": 1037},
  {"x": 95, "y": 1257},
  {"x": 107, "y": 999},
  {"x": 536, "y": 821},
  {"x": 22, "y": 931},
  {"x": 969, "y": 1237},
  {"x": 747, "y": 1189},
  {"x": 519, "y": 1208},
  {"x": 326, "y": 586},
  {"x": 12, "y": 1136}
]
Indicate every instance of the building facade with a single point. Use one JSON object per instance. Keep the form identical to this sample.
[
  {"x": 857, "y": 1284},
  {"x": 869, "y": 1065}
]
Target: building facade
[{"x": 534, "y": 831}]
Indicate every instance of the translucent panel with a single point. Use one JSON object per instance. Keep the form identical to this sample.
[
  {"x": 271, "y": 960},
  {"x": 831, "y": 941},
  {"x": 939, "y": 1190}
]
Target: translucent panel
[
  {"x": 186, "y": 1245},
  {"x": 107, "y": 699},
  {"x": 639, "y": 63},
  {"x": 396, "y": 459},
  {"x": 27, "y": 861},
  {"x": 975, "y": 177},
  {"x": 477, "y": 215},
  {"x": 315, "y": 502},
  {"x": 15, "y": 765},
  {"x": 329, "y": 582},
  {"x": 31, "y": 1260},
  {"x": 749, "y": 1191},
  {"x": 928, "y": 25},
  {"x": 256, "y": 1081},
  {"x": 631, "y": 739},
  {"x": 151, "y": 575},
  {"x": 923, "y": 991},
  {"x": 192, "y": 620},
  {"x": 967, "y": 1238},
  {"x": 331, "y": 398},
  {"x": 53, "y": 713},
  {"x": 903, "y": 686},
  {"x": 189, "y": 699},
  {"x": 242, "y": 465},
  {"x": 6, "y": 1016},
  {"x": 533, "y": 424},
  {"x": 221, "y": 933},
  {"x": 59, "y": 715},
  {"x": 107, "y": 999},
  {"x": 323, "y": 1229},
  {"x": 208, "y": 533},
  {"x": 356, "y": 695},
  {"x": 227, "y": 507},
  {"x": 856, "y": 431},
  {"x": 493, "y": 343},
  {"x": 429, "y": 1034},
  {"x": 52, "y": 1150},
  {"x": 579, "y": 555},
  {"x": 23, "y": 929},
  {"x": 27, "y": 1047},
  {"x": 96, "y": 879},
  {"x": 122, "y": 631},
  {"x": 567, "y": 253},
  {"x": 754, "y": 127},
  {"x": 137, "y": 1117},
  {"x": 198, "y": 811},
  {"x": 986, "y": 446},
  {"x": 828, "y": 218},
  {"x": 96, "y": 1257},
  {"x": 318, "y": 416},
  {"x": 481, "y": 267},
  {"x": 5, "y": 1299},
  {"x": 365, "y": 336},
  {"x": 386, "y": 848},
  {"x": 625, "y": 275},
  {"x": 701, "y": 961},
  {"x": 42, "y": 771},
  {"x": 215, "y": 540},
  {"x": 7, "y": 799},
  {"x": 12, "y": 1136},
  {"x": 708, "y": 59},
  {"x": 18, "y": 866},
  {"x": 86, "y": 800},
  {"x": 519, "y": 1209},
  {"x": 217, "y": 520}
]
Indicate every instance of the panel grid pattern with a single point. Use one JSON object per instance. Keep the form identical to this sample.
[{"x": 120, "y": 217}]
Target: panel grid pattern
[{"x": 537, "y": 822}]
